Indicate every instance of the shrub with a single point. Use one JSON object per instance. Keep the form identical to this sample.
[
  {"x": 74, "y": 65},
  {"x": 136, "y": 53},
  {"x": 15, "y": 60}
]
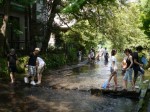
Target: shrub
[
  {"x": 71, "y": 55},
  {"x": 54, "y": 60},
  {"x": 3, "y": 67}
]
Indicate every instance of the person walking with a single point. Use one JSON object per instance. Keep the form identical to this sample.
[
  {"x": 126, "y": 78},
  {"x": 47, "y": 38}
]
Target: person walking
[
  {"x": 32, "y": 66},
  {"x": 137, "y": 66},
  {"x": 92, "y": 56},
  {"x": 128, "y": 70},
  {"x": 40, "y": 69},
  {"x": 104, "y": 53},
  {"x": 12, "y": 64},
  {"x": 113, "y": 68},
  {"x": 106, "y": 59},
  {"x": 79, "y": 55}
]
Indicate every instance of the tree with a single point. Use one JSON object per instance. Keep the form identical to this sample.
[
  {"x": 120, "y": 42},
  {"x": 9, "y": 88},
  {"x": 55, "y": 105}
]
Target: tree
[
  {"x": 117, "y": 22},
  {"x": 145, "y": 6},
  {"x": 6, "y": 7},
  {"x": 52, "y": 6}
]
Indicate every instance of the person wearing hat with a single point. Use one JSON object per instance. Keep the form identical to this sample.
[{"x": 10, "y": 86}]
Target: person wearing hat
[
  {"x": 12, "y": 62},
  {"x": 32, "y": 66}
]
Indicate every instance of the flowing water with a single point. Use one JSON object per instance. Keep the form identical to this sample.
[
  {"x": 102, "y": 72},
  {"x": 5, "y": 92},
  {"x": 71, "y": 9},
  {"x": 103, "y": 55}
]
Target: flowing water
[{"x": 26, "y": 98}]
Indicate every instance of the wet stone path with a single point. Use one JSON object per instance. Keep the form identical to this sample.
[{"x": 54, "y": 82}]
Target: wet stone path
[{"x": 63, "y": 92}]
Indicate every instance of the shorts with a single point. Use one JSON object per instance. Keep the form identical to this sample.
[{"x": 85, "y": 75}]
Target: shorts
[
  {"x": 138, "y": 70},
  {"x": 12, "y": 69},
  {"x": 123, "y": 71},
  {"x": 32, "y": 70},
  {"x": 93, "y": 58},
  {"x": 128, "y": 75},
  {"x": 112, "y": 70},
  {"x": 40, "y": 69}
]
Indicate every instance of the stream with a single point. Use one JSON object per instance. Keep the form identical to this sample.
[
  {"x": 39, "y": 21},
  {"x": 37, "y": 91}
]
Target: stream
[{"x": 69, "y": 95}]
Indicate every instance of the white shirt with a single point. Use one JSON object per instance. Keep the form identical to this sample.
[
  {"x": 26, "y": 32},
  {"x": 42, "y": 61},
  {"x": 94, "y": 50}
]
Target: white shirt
[
  {"x": 105, "y": 51},
  {"x": 100, "y": 52},
  {"x": 92, "y": 54},
  {"x": 40, "y": 61},
  {"x": 113, "y": 59},
  {"x": 80, "y": 53}
]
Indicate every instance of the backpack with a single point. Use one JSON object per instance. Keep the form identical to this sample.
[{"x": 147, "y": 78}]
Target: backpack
[{"x": 144, "y": 60}]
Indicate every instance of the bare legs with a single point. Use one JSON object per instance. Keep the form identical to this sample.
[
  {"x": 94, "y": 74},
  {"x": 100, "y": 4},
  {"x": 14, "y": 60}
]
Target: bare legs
[
  {"x": 115, "y": 80},
  {"x": 12, "y": 77},
  {"x": 125, "y": 85},
  {"x": 114, "y": 74},
  {"x": 39, "y": 78}
]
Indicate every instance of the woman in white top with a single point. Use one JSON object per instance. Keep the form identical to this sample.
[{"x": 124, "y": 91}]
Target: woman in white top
[
  {"x": 113, "y": 68},
  {"x": 40, "y": 69}
]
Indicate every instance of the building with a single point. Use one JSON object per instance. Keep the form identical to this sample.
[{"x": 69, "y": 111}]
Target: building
[{"x": 20, "y": 26}]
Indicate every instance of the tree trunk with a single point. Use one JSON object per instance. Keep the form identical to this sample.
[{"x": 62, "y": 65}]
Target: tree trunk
[
  {"x": 32, "y": 26},
  {"x": 49, "y": 30},
  {"x": 6, "y": 8}
]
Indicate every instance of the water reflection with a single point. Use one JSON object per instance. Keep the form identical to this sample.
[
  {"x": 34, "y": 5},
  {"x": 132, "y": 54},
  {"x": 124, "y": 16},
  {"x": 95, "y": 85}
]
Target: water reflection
[{"x": 24, "y": 98}]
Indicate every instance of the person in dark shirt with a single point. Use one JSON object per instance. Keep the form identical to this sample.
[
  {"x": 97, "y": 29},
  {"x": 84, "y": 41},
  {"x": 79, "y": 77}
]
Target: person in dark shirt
[
  {"x": 12, "y": 61},
  {"x": 106, "y": 59},
  {"x": 137, "y": 66},
  {"x": 32, "y": 66},
  {"x": 128, "y": 70}
]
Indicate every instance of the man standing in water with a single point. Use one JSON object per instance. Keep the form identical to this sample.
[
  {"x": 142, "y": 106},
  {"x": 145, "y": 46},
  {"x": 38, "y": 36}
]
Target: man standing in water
[
  {"x": 32, "y": 66},
  {"x": 137, "y": 66},
  {"x": 104, "y": 53}
]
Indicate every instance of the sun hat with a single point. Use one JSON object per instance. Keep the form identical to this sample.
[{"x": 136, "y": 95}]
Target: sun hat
[{"x": 37, "y": 49}]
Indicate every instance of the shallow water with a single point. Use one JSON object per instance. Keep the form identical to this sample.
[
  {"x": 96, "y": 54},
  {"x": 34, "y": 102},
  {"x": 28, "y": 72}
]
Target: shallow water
[
  {"x": 42, "y": 99},
  {"x": 25, "y": 98}
]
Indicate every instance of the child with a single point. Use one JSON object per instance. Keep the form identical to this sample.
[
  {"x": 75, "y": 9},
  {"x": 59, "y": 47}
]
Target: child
[
  {"x": 32, "y": 65},
  {"x": 12, "y": 61},
  {"x": 124, "y": 65},
  {"x": 40, "y": 69}
]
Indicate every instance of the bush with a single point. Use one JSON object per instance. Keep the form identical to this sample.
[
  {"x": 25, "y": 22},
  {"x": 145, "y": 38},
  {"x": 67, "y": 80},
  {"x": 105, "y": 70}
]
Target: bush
[
  {"x": 3, "y": 67},
  {"x": 54, "y": 60},
  {"x": 71, "y": 55},
  {"x": 21, "y": 64}
]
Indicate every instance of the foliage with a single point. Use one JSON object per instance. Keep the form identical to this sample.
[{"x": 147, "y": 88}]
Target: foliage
[
  {"x": 145, "y": 5},
  {"x": 71, "y": 54},
  {"x": 74, "y": 6},
  {"x": 83, "y": 36},
  {"x": 54, "y": 60},
  {"x": 116, "y": 22},
  {"x": 3, "y": 67},
  {"x": 22, "y": 61},
  {"x": 123, "y": 29}
]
